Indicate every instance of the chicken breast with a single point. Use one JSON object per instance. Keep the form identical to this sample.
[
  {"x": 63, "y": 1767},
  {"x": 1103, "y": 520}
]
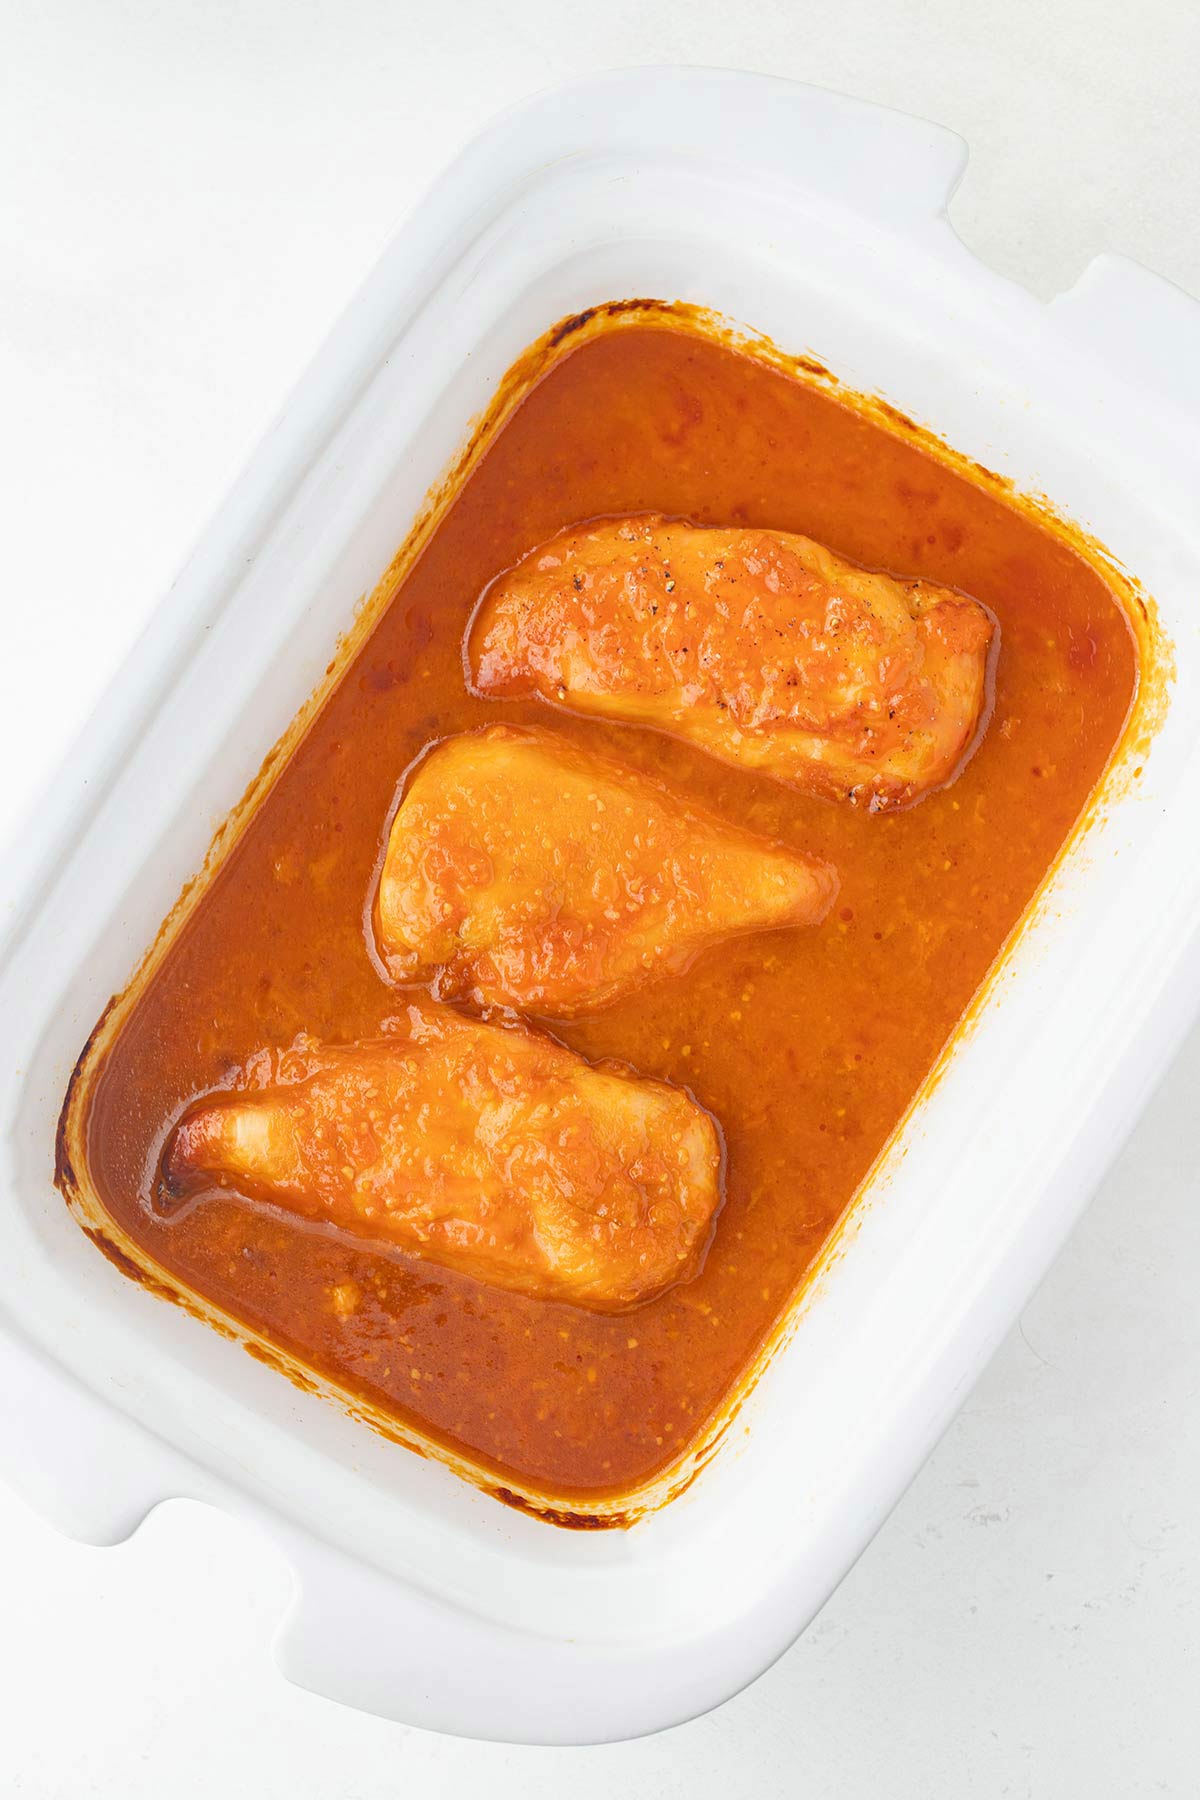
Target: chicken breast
[
  {"x": 486, "y": 1149},
  {"x": 761, "y": 647},
  {"x": 525, "y": 872}
]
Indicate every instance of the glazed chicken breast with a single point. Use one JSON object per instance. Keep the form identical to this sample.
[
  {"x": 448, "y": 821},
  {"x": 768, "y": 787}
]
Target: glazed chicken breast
[
  {"x": 486, "y": 1149},
  {"x": 525, "y": 872},
  {"x": 761, "y": 647}
]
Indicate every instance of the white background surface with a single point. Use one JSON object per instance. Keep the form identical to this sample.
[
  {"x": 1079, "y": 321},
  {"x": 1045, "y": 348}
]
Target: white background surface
[{"x": 188, "y": 194}]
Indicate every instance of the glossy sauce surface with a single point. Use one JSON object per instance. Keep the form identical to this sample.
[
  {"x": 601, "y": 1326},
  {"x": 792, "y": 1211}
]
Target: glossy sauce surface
[{"x": 806, "y": 1045}]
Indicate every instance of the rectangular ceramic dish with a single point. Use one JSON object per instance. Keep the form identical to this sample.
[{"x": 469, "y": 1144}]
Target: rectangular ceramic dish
[{"x": 819, "y": 222}]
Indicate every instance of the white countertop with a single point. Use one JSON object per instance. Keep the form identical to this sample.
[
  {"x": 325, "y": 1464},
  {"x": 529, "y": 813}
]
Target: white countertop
[{"x": 189, "y": 194}]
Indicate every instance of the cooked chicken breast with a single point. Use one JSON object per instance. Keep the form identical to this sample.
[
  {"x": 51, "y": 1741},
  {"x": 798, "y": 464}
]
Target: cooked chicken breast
[
  {"x": 523, "y": 871},
  {"x": 761, "y": 647},
  {"x": 486, "y": 1149}
]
